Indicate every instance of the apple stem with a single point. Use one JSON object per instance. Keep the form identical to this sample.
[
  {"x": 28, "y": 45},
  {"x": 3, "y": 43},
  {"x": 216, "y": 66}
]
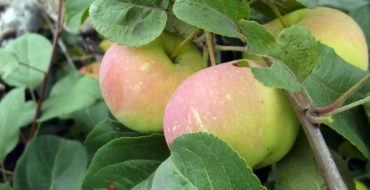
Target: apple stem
[
  {"x": 276, "y": 11},
  {"x": 205, "y": 56},
  {"x": 348, "y": 106},
  {"x": 188, "y": 39},
  {"x": 317, "y": 142},
  {"x": 329, "y": 109},
  {"x": 231, "y": 48},
  {"x": 210, "y": 48},
  {"x": 46, "y": 77}
]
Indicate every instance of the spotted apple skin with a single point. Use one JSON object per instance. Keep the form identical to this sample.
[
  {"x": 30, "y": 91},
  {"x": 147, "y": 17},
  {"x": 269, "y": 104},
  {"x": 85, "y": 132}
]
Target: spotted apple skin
[
  {"x": 137, "y": 82},
  {"x": 332, "y": 28},
  {"x": 227, "y": 101}
]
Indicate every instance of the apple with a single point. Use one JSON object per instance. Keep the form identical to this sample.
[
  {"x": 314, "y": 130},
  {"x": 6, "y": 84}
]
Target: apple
[
  {"x": 332, "y": 28},
  {"x": 227, "y": 101},
  {"x": 91, "y": 70},
  {"x": 137, "y": 82}
]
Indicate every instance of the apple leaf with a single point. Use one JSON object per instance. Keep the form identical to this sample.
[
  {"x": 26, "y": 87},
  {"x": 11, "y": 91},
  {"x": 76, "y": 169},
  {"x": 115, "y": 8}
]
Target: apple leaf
[
  {"x": 331, "y": 77},
  {"x": 85, "y": 93},
  {"x": 217, "y": 16},
  {"x": 309, "y": 3},
  {"x": 5, "y": 186},
  {"x": 125, "y": 162},
  {"x": 297, "y": 48},
  {"x": 8, "y": 62},
  {"x": 298, "y": 168},
  {"x": 203, "y": 161},
  {"x": 31, "y": 54},
  {"x": 362, "y": 17},
  {"x": 106, "y": 131},
  {"x": 176, "y": 25},
  {"x": 260, "y": 40},
  {"x": 51, "y": 162},
  {"x": 168, "y": 176},
  {"x": 76, "y": 13},
  {"x": 277, "y": 76},
  {"x": 15, "y": 112},
  {"x": 127, "y": 22}
]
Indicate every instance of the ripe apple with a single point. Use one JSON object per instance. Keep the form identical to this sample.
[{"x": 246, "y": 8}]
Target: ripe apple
[
  {"x": 137, "y": 82},
  {"x": 227, "y": 101},
  {"x": 332, "y": 28}
]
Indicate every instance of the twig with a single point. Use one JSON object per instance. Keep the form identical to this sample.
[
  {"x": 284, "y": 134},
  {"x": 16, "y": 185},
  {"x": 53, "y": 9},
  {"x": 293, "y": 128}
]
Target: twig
[
  {"x": 3, "y": 171},
  {"x": 317, "y": 143},
  {"x": 231, "y": 48},
  {"x": 343, "y": 97},
  {"x": 61, "y": 44},
  {"x": 46, "y": 77},
  {"x": 210, "y": 48},
  {"x": 188, "y": 39},
  {"x": 276, "y": 11},
  {"x": 349, "y": 106}
]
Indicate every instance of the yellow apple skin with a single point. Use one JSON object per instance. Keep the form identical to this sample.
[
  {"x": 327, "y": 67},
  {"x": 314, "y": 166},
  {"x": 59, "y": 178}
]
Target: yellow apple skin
[
  {"x": 332, "y": 28},
  {"x": 228, "y": 102},
  {"x": 137, "y": 82}
]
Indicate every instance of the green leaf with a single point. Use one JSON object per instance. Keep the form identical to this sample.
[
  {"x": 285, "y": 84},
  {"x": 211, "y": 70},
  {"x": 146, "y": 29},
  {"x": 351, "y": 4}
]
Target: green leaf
[
  {"x": 15, "y": 112},
  {"x": 33, "y": 50},
  {"x": 84, "y": 94},
  {"x": 89, "y": 117},
  {"x": 127, "y": 22},
  {"x": 175, "y": 25},
  {"x": 8, "y": 62},
  {"x": 5, "y": 186},
  {"x": 362, "y": 17},
  {"x": 76, "y": 12},
  {"x": 66, "y": 83},
  {"x": 309, "y": 3},
  {"x": 299, "y": 169},
  {"x": 204, "y": 161},
  {"x": 50, "y": 162},
  {"x": 125, "y": 162},
  {"x": 277, "y": 76},
  {"x": 144, "y": 185},
  {"x": 260, "y": 40},
  {"x": 297, "y": 48},
  {"x": 168, "y": 176},
  {"x": 331, "y": 77},
  {"x": 105, "y": 132},
  {"x": 217, "y": 16}
]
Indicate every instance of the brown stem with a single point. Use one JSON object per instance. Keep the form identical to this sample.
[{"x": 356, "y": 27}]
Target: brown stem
[
  {"x": 46, "y": 77},
  {"x": 317, "y": 143},
  {"x": 188, "y": 39},
  {"x": 210, "y": 48}
]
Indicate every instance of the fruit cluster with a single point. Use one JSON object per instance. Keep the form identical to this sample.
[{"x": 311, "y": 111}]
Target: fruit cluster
[{"x": 149, "y": 91}]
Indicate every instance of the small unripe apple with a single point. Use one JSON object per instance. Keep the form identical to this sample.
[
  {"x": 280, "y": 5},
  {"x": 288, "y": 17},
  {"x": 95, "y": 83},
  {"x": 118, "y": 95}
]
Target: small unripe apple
[
  {"x": 227, "y": 101},
  {"x": 332, "y": 28},
  {"x": 91, "y": 70},
  {"x": 137, "y": 82}
]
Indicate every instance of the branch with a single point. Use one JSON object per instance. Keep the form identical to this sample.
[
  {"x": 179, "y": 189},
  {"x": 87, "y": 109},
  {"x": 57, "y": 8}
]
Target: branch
[
  {"x": 317, "y": 143},
  {"x": 210, "y": 48},
  {"x": 46, "y": 77}
]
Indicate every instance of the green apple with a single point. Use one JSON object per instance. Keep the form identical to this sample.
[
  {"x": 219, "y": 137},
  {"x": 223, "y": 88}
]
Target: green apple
[
  {"x": 137, "y": 82},
  {"x": 227, "y": 101},
  {"x": 332, "y": 28}
]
